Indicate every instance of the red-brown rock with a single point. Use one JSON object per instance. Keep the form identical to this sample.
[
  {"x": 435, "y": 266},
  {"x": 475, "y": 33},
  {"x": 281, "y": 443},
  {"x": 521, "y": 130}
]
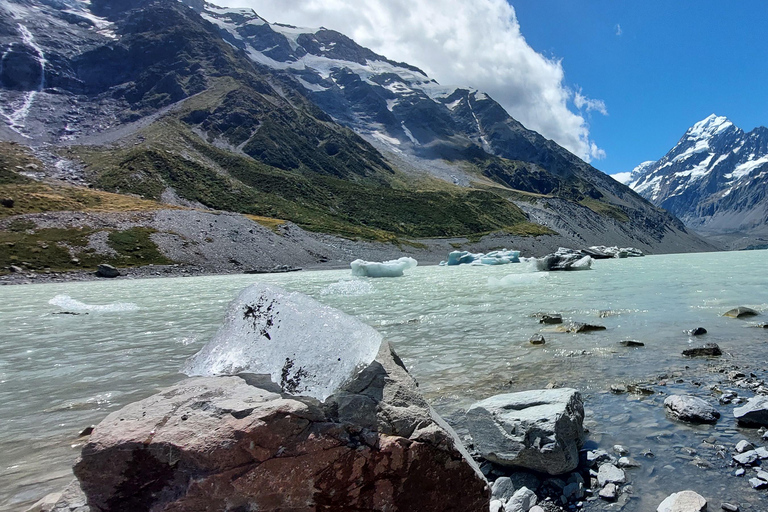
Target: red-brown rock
[{"x": 222, "y": 444}]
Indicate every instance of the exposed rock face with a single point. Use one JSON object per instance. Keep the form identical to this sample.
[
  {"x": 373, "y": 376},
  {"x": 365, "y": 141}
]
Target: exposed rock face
[
  {"x": 539, "y": 430},
  {"x": 685, "y": 501},
  {"x": 754, "y": 412},
  {"x": 222, "y": 444},
  {"x": 691, "y": 409}
]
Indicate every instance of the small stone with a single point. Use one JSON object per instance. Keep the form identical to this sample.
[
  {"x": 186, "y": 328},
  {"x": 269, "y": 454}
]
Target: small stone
[
  {"x": 551, "y": 318},
  {"x": 626, "y": 462},
  {"x": 708, "y": 350},
  {"x": 739, "y": 472},
  {"x": 15, "y": 269},
  {"x": 608, "y": 473},
  {"x": 86, "y": 431},
  {"x": 631, "y": 343},
  {"x": 698, "y": 331},
  {"x": 609, "y": 492},
  {"x": 744, "y": 445},
  {"x": 747, "y": 458},
  {"x": 684, "y": 501},
  {"x": 691, "y": 409},
  {"x": 521, "y": 501},
  {"x": 756, "y": 483},
  {"x": 740, "y": 312},
  {"x": 502, "y": 489},
  {"x": 536, "y": 508},
  {"x": 619, "y": 449},
  {"x": 728, "y": 507},
  {"x": 497, "y": 506},
  {"x": 701, "y": 463},
  {"x": 537, "y": 339}
]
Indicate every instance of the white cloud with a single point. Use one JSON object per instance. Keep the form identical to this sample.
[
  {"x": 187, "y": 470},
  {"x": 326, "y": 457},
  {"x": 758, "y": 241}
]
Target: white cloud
[
  {"x": 622, "y": 177},
  {"x": 583, "y": 103},
  {"x": 477, "y": 44},
  {"x": 618, "y": 30}
]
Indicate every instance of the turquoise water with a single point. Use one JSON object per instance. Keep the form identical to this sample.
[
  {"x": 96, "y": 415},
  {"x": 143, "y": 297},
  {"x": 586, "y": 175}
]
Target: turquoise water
[{"x": 462, "y": 331}]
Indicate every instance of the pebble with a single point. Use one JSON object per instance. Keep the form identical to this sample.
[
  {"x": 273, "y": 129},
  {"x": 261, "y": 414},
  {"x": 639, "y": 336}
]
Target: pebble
[
  {"x": 729, "y": 507},
  {"x": 744, "y": 445},
  {"x": 609, "y": 492},
  {"x": 608, "y": 473}
]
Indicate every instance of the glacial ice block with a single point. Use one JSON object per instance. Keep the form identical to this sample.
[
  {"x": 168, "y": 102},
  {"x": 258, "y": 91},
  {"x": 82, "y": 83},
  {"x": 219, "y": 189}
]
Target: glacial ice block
[
  {"x": 306, "y": 347},
  {"x": 391, "y": 268}
]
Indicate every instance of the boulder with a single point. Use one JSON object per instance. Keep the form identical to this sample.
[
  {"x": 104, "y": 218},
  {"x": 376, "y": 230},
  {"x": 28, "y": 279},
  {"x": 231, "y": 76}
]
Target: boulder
[
  {"x": 239, "y": 443},
  {"x": 708, "y": 350},
  {"x": 610, "y": 474},
  {"x": 521, "y": 501},
  {"x": 539, "y": 430},
  {"x": 740, "y": 312},
  {"x": 105, "y": 270},
  {"x": 754, "y": 412},
  {"x": 691, "y": 409},
  {"x": 685, "y": 501},
  {"x": 503, "y": 489}
]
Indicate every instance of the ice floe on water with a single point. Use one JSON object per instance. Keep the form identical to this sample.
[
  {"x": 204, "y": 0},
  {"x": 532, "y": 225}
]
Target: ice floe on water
[
  {"x": 67, "y": 303},
  {"x": 306, "y": 347},
  {"x": 391, "y": 268},
  {"x": 349, "y": 288},
  {"x": 501, "y": 257}
]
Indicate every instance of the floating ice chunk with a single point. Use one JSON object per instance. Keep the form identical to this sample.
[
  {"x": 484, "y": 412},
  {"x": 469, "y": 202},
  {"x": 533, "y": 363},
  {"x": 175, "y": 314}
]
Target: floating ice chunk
[
  {"x": 392, "y": 268},
  {"x": 67, "y": 303},
  {"x": 306, "y": 347},
  {"x": 564, "y": 259},
  {"x": 492, "y": 258}
]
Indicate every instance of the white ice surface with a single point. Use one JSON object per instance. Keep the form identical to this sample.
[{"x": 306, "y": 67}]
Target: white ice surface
[
  {"x": 391, "y": 268},
  {"x": 306, "y": 347}
]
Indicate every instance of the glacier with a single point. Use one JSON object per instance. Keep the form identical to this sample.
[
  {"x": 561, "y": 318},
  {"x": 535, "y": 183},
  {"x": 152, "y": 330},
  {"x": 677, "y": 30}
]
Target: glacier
[
  {"x": 391, "y": 268},
  {"x": 306, "y": 347}
]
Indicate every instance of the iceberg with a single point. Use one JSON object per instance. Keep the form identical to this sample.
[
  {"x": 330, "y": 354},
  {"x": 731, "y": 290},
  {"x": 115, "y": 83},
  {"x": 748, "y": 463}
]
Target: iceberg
[
  {"x": 563, "y": 259},
  {"x": 501, "y": 257},
  {"x": 391, "y": 268},
  {"x": 616, "y": 252},
  {"x": 307, "y": 348}
]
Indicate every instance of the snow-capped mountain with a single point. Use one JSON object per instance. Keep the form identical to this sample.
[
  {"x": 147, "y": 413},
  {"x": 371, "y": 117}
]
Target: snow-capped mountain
[
  {"x": 293, "y": 123},
  {"x": 713, "y": 179}
]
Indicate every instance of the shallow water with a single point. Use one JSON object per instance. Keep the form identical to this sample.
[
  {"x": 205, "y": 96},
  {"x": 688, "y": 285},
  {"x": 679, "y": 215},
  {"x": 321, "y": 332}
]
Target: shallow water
[{"x": 462, "y": 331}]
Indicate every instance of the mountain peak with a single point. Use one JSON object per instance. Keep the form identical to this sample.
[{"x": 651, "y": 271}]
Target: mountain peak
[{"x": 708, "y": 127}]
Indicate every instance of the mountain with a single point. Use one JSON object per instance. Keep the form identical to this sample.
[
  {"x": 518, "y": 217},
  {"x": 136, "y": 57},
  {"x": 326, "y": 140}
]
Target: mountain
[
  {"x": 713, "y": 179},
  {"x": 196, "y": 107}
]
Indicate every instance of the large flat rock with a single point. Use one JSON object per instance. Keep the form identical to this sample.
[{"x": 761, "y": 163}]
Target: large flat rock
[
  {"x": 539, "y": 430},
  {"x": 220, "y": 443}
]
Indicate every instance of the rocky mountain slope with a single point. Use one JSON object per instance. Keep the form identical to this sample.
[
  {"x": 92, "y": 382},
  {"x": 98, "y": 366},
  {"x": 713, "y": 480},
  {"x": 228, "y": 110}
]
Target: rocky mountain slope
[
  {"x": 713, "y": 179},
  {"x": 204, "y": 108}
]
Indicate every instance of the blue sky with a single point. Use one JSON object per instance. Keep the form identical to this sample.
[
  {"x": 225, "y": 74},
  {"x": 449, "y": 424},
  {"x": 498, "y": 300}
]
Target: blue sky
[{"x": 670, "y": 64}]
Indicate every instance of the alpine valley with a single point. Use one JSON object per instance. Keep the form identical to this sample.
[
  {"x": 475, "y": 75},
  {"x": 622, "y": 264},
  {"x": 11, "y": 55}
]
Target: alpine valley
[
  {"x": 714, "y": 180},
  {"x": 144, "y": 132}
]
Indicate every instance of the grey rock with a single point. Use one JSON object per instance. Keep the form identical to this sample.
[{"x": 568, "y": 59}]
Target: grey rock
[
  {"x": 747, "y": 458},
  {"x": 744, "y": 445},
  {"x": 608, "y": 473},
  {"x": 691, "y": 409},
  {"x": 537, "y": 339},
  {"x": 105, "y": 270},
  {"x": 627, "y": 462},
  {"x": 552, "y": 318},
  {"x": 609, "y": 492},
  {"x": 754, "y": 412},
  {"x": 539, "y": 430},
  {"x": 503, "y": 489},
  {"x": 697, "y": 331},
  {"x": 708, "y": 350},
  {"x": 573, "y": 491},
  {"x": 620, "y": 450},
  {"x": 595, "y": 457},
  {"x": 757, "y": 483},
  {"x": 579, "y": 327},
  {"x": 631, "y": 343},
  {"x": 729, "y": 507},
  {"x": 521, "y": 501},
  {"x": 15, "y": 269},
  {"x": 496, "y": 506},
  {"x": 741, "y": 312},
  {"x": 684, "y": 501},
  {"x": 739, "y": 472}
]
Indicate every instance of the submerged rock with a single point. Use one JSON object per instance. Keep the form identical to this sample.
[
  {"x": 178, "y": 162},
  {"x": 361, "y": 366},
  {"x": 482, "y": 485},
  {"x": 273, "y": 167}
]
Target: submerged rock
[
  {"x": 551, "y": 318},
  {"x": 741, "y": 312},
  {"x": 576, "y": 327},
  {"x": 631, "y": 343},
  {"x": 691, "y": 409},
  {"x": 223, "y": 444},
  {"x": 698, "y": 331},
  {"x": 539, "y": 430},
  {"x": 685, "y": 501},
  {"x": 537, "y": 339},
  {"x": 708, "y": 350}
]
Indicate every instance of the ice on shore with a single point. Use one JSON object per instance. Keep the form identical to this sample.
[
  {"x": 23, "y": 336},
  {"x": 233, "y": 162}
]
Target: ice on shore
[
  {"x": 306, "y": 347},
  {"x": 391, "y": 268},
  {"x": 67, "y": 303},
  {"x": 501, "y": 257}
]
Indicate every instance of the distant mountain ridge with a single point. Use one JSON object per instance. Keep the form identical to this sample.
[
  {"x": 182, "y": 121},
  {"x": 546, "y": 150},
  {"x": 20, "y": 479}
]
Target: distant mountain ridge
[
  {"x": 714, "y": 179},
  {"x": 208, "y": 107}
]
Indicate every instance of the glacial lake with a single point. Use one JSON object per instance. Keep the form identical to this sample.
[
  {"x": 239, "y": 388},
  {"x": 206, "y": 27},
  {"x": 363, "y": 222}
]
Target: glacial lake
[{"x": 462, "y": 331}]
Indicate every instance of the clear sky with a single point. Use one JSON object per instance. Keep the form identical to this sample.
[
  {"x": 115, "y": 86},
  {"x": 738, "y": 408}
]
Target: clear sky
[
  {"x": 659, "y": 66},
  {"x": 617, "y": 82}
]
